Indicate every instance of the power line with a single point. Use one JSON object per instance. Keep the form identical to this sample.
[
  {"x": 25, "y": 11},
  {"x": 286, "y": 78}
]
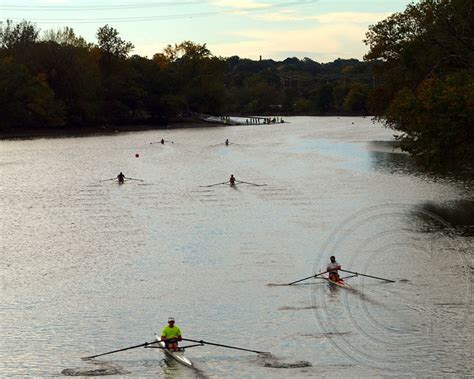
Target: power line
[
  {"x": 89, "y": 20},
  {"x": 48, "y": 8}
]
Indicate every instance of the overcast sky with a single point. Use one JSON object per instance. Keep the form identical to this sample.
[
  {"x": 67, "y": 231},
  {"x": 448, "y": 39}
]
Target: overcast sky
[{"x": 322, "y": 30}]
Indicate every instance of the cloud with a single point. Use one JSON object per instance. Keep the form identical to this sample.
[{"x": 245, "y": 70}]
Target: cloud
[
  {"x": 328, "y": 18},
  {"x": 350, "y": 17},
  {"x": 322, "y": 37},
  {"x": 53, "y": 1},
  {"x": 324, "y": 43},
  {"x": 282, "y": 16},
  {"x": 239, "y": 4},
  {"x": 330, "y": 36}
]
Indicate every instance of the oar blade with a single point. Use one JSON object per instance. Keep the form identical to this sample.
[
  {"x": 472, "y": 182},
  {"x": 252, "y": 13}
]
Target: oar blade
[
  {"x": 300, "y": 280},
  {"x": 309, "y": 277}
]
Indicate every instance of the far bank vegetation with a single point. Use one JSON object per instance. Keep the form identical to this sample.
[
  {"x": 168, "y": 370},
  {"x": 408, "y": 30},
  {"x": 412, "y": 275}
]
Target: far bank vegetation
[{"x": 417, "y": 77}]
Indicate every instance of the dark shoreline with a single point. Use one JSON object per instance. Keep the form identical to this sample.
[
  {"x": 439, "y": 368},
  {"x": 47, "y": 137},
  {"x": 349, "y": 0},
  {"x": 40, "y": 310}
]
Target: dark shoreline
[{"x": 97, "y": 131}]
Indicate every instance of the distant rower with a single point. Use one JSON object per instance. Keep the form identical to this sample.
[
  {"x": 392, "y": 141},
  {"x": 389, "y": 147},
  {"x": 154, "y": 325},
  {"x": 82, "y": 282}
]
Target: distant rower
[
  {"x": 162, "y": 141},
  {"x": 232, "y": 180},
  {"x": 121, "y": 178},
  {"x": 227, "y": 142},
  {"x": 333, "y": 268}
]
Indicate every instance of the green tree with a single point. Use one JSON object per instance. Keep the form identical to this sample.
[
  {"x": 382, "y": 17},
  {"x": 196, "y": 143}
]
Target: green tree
[
  {"x": 26, "y": 100},
  {"x": 423, "y": 52},
  {"x": 22, "y": 34},
  {"x": 322, "y": 98},
  {"x": 196, "y": 75},
  {"x": 436, "y": 120},
  {"x": 356, "y": 99},
  {"x": 302, "y": 105},
  {"x": 111, "y": 44},
  {"x": 117, "y": 79},
  {"x": 65, "y": 36},
  {"x": 339, "y": 93}
]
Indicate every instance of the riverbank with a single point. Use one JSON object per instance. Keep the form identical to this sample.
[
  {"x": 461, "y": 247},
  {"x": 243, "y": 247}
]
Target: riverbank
[{"x": 31, "y": 133}]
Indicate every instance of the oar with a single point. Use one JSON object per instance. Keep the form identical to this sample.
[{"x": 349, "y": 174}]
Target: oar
[
  {"x": 369, "y": 276},
  {"x": 181, "y": 347},
  {"x": 187, "y": 347},
  {"x": 106, "y": 180},
  {"x": 138, "y": 180},
  {"x": 215, "y": 184},
  {"x": 226, "y": 346},
  {"x": 309, "y": 277},
  {"x": 125, "y": 348},
  {"x": 253, "y": 184},
  {"x": 350, "y": 276}
]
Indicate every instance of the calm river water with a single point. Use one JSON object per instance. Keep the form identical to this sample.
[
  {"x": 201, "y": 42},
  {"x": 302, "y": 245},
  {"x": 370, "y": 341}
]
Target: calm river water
[{"x": 89, "y": 266}]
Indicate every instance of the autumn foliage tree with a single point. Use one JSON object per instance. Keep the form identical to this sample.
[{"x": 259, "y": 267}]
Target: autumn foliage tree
[
  {"x": 58, "y": 79},
  {"x": 427, "y": 70}
]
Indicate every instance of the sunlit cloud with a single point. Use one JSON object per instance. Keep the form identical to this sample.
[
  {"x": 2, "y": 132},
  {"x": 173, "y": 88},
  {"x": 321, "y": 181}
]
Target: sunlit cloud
[
  {"x": 350, "y": 18},
  {"x": 328, "y": 18},
  {"x": 281, "y": 16},
  {"x": 323, "y": 37},
  {"x": 322, "y": 43}
]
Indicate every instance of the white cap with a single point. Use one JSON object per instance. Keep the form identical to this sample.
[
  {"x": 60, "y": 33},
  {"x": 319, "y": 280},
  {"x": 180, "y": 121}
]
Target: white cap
[{"x": 170, "y": 318}]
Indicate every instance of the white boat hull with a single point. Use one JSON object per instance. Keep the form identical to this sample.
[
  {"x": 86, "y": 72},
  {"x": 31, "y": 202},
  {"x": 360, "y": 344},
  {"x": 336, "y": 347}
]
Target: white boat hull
[{"x": 178, "y": 356}]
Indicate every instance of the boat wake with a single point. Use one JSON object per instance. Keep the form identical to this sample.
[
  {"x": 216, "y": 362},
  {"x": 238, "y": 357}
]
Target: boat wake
[
  {"x": 326, "y": 335},
  {"x": 297, "y": 308},
  {"x": 104, "y": 369},
  {"x": 267, "y": 360}
]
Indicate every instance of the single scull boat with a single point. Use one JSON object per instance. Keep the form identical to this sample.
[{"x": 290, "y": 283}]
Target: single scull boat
[
  {"x": 340, "y": 283},
  {"x": 178, "y": 356}
]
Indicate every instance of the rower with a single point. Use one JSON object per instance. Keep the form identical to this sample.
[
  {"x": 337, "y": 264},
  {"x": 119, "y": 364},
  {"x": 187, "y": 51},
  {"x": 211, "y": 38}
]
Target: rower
[
  {"x": 162, "y": 141},
  {"x": 121, "y": 178},
  {"x": 232, "y": 180},
  {"x": 333, "y": 268},
  {"x": 227, "y": 142},
  {"x": 171, "y": 335}
]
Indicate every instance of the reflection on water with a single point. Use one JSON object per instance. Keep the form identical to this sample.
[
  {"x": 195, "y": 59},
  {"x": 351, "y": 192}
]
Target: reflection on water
[
  {"x": 457, "y": 214},
  {"x": 89, "y": 266}
]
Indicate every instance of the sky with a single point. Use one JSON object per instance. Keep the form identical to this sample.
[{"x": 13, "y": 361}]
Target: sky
[{"x": 322, "y": 30}]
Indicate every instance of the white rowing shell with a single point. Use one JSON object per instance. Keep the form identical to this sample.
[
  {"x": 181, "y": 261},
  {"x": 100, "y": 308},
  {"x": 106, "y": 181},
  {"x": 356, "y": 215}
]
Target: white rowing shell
[{"x": 178, "y": 356}]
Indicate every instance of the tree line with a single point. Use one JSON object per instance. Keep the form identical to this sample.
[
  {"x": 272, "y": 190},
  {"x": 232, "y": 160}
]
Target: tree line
[
  {"x": 417, "y": 77},
  {"x": 426, "y": 65},
  {"x": 57, "y": 79}
]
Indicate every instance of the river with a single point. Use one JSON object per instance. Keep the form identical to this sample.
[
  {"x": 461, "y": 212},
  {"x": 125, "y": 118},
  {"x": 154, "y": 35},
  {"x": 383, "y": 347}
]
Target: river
[{"x": 89, "y": 266}]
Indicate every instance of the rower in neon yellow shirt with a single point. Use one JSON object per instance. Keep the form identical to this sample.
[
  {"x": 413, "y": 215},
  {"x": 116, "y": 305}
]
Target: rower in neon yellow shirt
[{"x": 171, "y": 335}]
